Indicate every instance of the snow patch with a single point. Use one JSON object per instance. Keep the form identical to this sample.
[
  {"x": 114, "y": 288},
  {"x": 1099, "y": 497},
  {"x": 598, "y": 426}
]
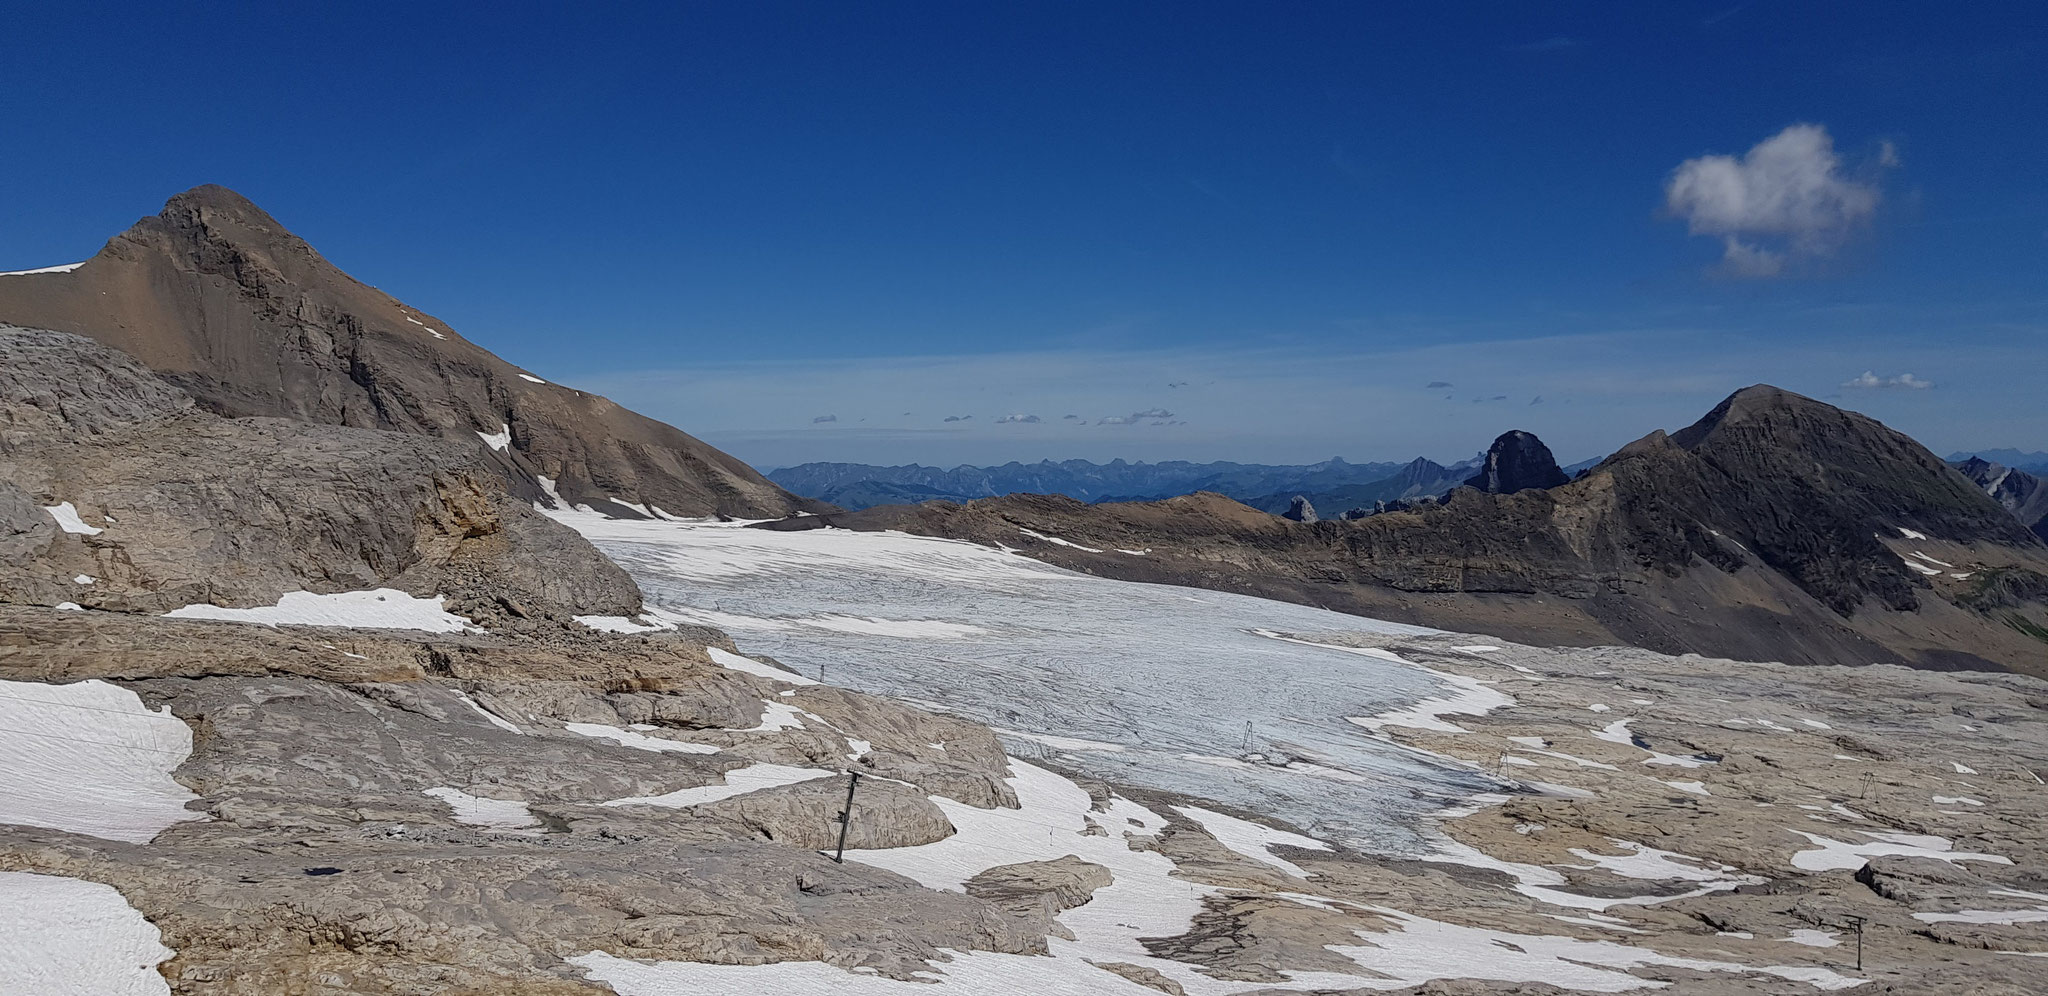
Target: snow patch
[
  {"x": 60, "y": 268},
  {"x": 638, "y": 741},
  {"x": 1252, "y": 840},
  {"x": 500, "y": 440},
  {"x": 1814, "y": 938},
  {"x": 1835, "y": 854},
  {"x": 1056, "y": 541},
  {"x": 493, "y": 718},
  {"x": 777, "y": 716},
  {"x": 89, "y": 758},
  {"x": 380, "y": 608},
  {"x": 731, "y": 661},
  {"x": 497, "y": 814},
  {"x": 752, "y": 778},
  {"x": 68, "y": 937},
  {"x": 531, "y": 379},
  {"x": 68, "y": 520}
]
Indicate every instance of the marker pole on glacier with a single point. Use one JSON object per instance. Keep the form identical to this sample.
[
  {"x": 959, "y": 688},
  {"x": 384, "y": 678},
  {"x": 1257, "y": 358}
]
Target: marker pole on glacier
[{"x": 846, "y": 816}]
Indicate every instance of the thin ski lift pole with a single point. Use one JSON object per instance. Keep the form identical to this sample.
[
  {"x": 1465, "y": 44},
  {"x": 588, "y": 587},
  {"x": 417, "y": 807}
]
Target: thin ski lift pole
[{"x": 846, "y": 816}]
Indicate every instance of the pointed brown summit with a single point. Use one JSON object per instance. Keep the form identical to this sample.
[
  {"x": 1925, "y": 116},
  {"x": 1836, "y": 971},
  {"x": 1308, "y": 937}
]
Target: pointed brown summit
[{"x": 223, "y": 300}]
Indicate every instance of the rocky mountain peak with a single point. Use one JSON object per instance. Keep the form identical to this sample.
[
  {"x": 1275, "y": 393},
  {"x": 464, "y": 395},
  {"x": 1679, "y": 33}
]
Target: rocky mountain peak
[
  {"x": 1300, "y": 510},
  {"x": 226, "y": 303},
  {"x": 1517, "y": 461}
]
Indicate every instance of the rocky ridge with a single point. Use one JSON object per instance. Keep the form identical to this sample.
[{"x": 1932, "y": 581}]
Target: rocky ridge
[
  {"x": 118, "y": 491},
  {"x": 1775, "y": 528}
]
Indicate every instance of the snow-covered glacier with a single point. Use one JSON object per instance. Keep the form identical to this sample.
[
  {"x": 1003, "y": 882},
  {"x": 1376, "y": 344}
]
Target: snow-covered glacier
[{"x": 1143, "y": 685}]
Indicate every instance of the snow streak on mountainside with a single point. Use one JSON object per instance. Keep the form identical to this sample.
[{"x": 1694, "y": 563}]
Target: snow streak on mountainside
[{"x": 1140, "y": 684}]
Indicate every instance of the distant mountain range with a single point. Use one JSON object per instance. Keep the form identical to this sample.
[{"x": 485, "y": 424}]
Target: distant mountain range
[
  {"x": 1334, "y": 485},
  {"x": 859, "y": 485},
  {"x": 2032, "y": 463}
]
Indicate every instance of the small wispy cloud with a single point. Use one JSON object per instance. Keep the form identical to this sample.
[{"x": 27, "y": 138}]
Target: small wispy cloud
[
  {"x": 1554, "y": 43},
  {"x": 824, "y": 418},
  {"x": 1537, "y": 400},
  {"x": 959, "y": 418},
  {"x": 1155, "y": 416},
  {"x": 1019, "y": 419},
  {"x": 1788, "y": 198},
  {"x": 1436, "y": 385},
  {"x": 1869, "y": 381}
]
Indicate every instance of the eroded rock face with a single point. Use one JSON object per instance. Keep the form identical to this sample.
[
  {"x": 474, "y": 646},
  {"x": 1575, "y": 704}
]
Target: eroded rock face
[
  {"x": 183, "y": 507},
  {"x": 1038, "y": 891},
  {"x": 1299, "y": 510},
  {"x": 1517, "y": 461}
]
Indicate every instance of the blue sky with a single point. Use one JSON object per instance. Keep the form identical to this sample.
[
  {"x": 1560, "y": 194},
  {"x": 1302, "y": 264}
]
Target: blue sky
[{"x": 1279, "y": 222}]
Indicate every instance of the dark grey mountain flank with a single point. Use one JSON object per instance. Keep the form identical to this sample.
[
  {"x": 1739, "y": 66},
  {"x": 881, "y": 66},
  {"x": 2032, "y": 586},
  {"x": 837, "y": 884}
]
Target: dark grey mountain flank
[
  {"x": 248, "y": 319},
  {"x": 1517, "y": 461},
  {"x": 1118, "y": 480},
  {"x": 2023, "y": 494},
  {"x": 1775, "y": 528}
]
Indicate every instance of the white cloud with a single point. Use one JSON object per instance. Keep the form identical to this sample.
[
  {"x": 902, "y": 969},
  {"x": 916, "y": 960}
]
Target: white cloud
[
  {"x": 1786, "y": 198},
  {"x": 1019, "y": 419},
  {"x": 1870, "y": 381}
]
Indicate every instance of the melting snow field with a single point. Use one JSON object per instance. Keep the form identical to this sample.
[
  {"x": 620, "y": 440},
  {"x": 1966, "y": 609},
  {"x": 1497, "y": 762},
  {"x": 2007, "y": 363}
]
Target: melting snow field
[
  {"x": 65, "y": 937},
  {"x": 89, "y": 758},
  {"x": 1136, "y": 683},
  {"x": 380, "y": 608},
  {"x": 497, "y": 814},
  {"x": 1057, "y": 818}
]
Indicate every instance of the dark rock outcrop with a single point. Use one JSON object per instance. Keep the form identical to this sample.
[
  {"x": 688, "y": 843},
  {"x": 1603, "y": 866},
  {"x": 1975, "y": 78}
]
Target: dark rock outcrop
[
  {"x": 2017, "y": 491},
  {"x": 181, "y": 506},
  {"x": 247, "y": 318},
  {"x": 1517, "y": 461}
]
